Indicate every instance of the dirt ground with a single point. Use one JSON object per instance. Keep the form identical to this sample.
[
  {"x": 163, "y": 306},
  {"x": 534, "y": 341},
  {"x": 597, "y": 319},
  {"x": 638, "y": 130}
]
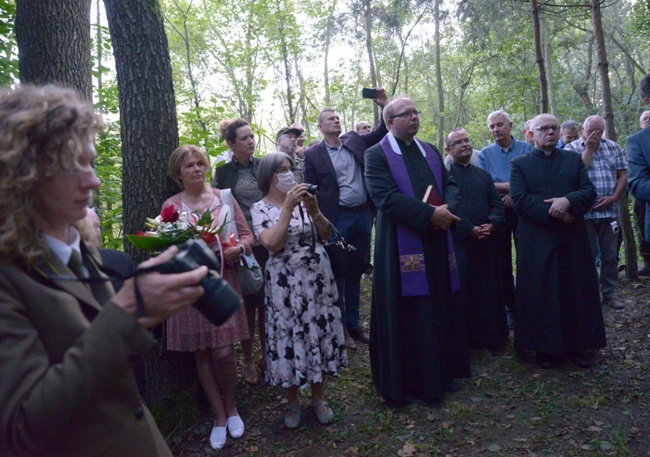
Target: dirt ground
[{"x": 508, "y": 408}]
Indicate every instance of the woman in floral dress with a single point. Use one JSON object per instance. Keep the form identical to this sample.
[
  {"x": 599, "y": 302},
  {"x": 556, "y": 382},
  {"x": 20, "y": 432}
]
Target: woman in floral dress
[{"x": 303, "y": 324}]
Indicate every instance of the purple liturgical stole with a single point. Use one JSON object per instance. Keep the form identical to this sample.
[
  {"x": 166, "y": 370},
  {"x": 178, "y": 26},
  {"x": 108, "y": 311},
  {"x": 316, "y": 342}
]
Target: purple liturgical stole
[{"x": 412, "y": 267}]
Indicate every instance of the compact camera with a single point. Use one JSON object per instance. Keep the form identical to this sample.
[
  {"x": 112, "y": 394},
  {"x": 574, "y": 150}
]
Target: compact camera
[
  {"x": 219, "y": 301},
  {"x": 312, "y": 189},
  {"x": 614, "y": 225}
]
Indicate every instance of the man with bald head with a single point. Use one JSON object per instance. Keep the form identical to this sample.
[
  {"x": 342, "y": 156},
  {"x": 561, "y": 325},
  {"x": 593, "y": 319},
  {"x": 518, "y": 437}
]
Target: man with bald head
[
  {"x": 558, "y": 305},
  {"x": 607, "y": 168},
  {"x": 418, "y": 343},
  {"x": 482, "y": 215},
  {"x": 363, "y": 127}
]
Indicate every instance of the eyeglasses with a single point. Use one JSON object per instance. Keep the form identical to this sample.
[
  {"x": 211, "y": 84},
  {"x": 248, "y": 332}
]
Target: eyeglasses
[
  {"x": 546, "y": 128},
  {"x": 407, "y": 114},
  {"x": 459, "y": 142}
]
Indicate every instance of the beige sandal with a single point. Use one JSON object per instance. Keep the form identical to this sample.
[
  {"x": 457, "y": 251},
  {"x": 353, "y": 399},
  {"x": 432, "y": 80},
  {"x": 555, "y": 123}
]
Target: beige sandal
[
  {"x": 323, "y": 412},
  {"x": 292, "y": 415}
]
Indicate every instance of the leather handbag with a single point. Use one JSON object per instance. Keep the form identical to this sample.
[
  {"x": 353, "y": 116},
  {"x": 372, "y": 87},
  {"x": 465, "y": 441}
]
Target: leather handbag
[{"x": 346, "y": 263}]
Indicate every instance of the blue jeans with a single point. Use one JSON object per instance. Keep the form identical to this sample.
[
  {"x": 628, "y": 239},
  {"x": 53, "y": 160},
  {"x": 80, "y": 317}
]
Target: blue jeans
[{"x": 356, "y": 229}]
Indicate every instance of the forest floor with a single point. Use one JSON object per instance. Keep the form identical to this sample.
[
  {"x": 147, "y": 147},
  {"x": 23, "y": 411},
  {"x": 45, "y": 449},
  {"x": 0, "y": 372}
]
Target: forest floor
[{"x": 508, "y": 408}]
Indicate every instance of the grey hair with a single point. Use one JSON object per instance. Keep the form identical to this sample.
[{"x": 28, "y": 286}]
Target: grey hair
[
  {"x": 496, "y": 113},
  {"x": 644, "y": 86},
  {"x": 269, "y": 164},
  {"x": 569, "y": 125}
]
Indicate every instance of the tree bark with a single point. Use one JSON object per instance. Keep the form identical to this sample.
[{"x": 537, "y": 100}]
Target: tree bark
[
  {"x": 371, "y": 57},
  {"x": 441, "y": 93},
  {"x": 149, "y": 134},
  {"x": 54, "y": 43}
]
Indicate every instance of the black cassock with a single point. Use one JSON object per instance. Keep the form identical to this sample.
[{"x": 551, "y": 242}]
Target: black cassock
[
  {"x": 416, "y": 343},
  {"x": 481, "y": 281},
  {"x": 558, "y": 308}
]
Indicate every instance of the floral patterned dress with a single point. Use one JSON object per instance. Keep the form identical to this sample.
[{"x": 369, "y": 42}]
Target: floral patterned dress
[{"x": 304, "y": 333}]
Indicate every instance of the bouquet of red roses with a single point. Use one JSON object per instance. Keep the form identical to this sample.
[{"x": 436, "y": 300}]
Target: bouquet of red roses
[{"x": 175, "y": 227}]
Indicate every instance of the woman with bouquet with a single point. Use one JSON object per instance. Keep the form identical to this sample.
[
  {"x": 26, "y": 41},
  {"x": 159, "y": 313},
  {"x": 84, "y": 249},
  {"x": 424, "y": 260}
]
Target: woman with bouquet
[
  {"x": 239, "y": 174},
  {"x": 189, "y": 330},
  {"x": 304, "y": 332}
]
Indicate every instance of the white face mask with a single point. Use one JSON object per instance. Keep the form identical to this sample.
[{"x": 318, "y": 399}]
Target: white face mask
[{"x": 286, "y": 181}]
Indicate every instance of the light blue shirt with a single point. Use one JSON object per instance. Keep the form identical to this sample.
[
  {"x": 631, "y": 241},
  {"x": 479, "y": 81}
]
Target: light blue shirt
[
  {"x": 352, "y": 191},
  {"x": 496, "y": 160}
]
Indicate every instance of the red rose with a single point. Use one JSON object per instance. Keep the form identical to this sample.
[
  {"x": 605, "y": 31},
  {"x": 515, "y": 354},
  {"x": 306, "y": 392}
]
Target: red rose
[
  {"x": 209, "y": 238},
  {"x": 139, "y": 233},
  {"x": 169, "y": 214}
]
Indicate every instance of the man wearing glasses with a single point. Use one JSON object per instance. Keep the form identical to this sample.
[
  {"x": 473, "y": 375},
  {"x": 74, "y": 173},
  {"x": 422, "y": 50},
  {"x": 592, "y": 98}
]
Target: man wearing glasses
[
  {"x": 607, "y": 168},
  {"x": 495, "y": 159},
  {"x": 418, "y": 342},
  {"x": 558, "y": 306}
]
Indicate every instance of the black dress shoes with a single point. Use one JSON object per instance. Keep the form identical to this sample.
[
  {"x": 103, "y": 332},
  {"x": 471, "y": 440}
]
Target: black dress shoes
[
  {"x": 544, "y": 361},
  {"x": 580, "y": 360},
  {"x": 359, "y": 335}
]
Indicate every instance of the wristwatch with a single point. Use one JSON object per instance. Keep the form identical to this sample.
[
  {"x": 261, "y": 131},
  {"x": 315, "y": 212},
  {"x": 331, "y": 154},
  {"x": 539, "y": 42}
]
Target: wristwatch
[{"x": 316, "y": 216}]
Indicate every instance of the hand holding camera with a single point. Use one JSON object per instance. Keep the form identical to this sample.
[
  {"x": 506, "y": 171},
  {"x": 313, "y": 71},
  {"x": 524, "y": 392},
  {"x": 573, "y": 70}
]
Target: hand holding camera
[{"x": 179, "y": 277}]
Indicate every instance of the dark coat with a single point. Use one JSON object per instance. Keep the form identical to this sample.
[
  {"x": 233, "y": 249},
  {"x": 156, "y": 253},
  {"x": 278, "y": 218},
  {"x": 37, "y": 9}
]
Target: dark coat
[
  {"x": 638, "y": 164},
  {"x": 481, "y": 280},
  {"x": 558, "y": 308},
  {"x": 119, "y": 261},
  {"x": 405, "y": 332},
  {"x": 318, "y": 167}
]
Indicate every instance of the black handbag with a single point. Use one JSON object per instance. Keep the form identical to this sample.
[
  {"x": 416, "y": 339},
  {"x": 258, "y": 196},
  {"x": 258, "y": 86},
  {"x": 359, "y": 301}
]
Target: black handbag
[{"x": 346, "y": 263}]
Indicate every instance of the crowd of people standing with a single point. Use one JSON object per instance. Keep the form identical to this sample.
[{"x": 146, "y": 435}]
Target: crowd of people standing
[{"x": 442, "y": 282}]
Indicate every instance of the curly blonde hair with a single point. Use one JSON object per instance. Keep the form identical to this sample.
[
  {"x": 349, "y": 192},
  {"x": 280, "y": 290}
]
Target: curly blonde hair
[{"x": 42, "y": 132}]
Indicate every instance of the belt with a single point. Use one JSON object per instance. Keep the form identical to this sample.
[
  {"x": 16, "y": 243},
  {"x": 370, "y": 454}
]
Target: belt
[{"x": 353, "y": 209}]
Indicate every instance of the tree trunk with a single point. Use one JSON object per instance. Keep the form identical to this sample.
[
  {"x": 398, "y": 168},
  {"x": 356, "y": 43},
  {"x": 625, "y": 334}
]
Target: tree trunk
[
  {"x": 441, "y": 93},
  {"x": 54, "y": 43},
  {"x": 548, "y": 61},
  {"x": 371, "y": 57},
  {"x": 608, "y": 113},
  {"x": 328, "y": 38},
  {"x": 149, "y": 134},
  {"x": 539, "y": 58}
]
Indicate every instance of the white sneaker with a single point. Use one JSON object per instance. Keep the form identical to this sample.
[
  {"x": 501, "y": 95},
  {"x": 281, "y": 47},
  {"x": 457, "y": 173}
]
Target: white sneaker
[
  {"x": 235, "y": 426},
  {"x": 218, "y": 437}
]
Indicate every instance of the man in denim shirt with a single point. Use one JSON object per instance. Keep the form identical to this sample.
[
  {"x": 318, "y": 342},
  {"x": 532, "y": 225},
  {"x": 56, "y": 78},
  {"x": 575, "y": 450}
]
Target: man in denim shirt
[
  {"x": 607, "y": 168},
  {"x": 495, "y": 159}
]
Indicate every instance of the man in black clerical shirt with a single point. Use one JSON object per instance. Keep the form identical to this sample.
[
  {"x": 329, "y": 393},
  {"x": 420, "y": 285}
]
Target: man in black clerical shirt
[{"x": 482, "y": 214}]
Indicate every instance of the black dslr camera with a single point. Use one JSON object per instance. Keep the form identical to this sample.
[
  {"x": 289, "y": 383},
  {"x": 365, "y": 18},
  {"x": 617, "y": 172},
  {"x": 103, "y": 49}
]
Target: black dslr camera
[
  {"x": 312, "y": 189},
  {"x": 220, "y": 301}
]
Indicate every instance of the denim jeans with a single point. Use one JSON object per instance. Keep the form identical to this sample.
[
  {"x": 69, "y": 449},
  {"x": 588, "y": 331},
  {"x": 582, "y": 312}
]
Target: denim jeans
[{"x": 356, "y": 229}]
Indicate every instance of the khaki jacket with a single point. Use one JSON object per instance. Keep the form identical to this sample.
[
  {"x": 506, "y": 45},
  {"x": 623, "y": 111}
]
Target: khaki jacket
[{"x": 66, "y": 354}]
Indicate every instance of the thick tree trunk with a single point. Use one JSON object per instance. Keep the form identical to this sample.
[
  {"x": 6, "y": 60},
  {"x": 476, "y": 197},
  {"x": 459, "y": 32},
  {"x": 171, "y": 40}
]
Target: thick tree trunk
[
  {"x": 608, "y": 113},
  {"x": 54, "y": 43},
  {"x": 149, "y": 134},
  {"x": 539, "y": 58}
]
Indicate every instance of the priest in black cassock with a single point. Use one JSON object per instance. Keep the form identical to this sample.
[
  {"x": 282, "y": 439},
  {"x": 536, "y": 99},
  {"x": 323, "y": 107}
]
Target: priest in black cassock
[
  {"x": 418, "y": 343},
  {"x": 558, "y": 311},
  {"x": 482, "y": 215}
]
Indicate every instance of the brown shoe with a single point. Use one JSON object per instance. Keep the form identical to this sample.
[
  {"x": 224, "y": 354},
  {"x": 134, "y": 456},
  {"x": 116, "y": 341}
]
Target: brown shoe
[
  {"x": 359, "y": 335},
  {"x": 349, "y": 342}
]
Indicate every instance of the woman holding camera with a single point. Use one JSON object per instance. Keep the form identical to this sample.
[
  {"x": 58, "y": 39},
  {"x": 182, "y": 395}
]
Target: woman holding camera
[
  {"x": 303, "y": 324},
  {"x": 189, "y": 330},
  {"x": 239, "y": 174},
  {"x": 67, "y": 347}
]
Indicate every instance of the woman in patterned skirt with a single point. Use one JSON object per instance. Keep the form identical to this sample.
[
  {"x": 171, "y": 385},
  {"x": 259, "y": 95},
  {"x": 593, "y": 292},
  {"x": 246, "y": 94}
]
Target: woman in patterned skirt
[{"x": 303, "y": 323}]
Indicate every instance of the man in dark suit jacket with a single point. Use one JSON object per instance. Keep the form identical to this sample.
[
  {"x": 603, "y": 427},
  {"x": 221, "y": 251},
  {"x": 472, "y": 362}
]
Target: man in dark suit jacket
[
  {"x": 638, "y": 153},
  {"x": 336, "y": 166}
]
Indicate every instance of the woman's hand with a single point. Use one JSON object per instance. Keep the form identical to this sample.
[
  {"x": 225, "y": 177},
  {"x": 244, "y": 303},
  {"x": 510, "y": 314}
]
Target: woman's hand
[
  {"x": 232, "y": 253},
  {"x": 295, "y": 196}
]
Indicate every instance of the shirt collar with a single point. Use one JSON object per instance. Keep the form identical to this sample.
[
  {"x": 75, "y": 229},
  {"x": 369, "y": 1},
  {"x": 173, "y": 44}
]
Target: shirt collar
[{"x": 64, "y": 250}]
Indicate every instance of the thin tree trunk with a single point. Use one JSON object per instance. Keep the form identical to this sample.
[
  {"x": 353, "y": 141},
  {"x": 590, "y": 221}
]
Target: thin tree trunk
[
  {"x": 371, "y": 57},
  {"x": 328, "y": 37},
  {"x": 539, "y": 58},
  {"x": 548, "y": 61},
  {"x": 441, "y": 93},
  {"x": 53, "y": 39}
]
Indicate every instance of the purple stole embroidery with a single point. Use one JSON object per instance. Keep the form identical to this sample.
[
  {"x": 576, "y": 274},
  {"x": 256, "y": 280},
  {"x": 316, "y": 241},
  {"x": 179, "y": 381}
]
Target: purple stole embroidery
[{"x": 412, "y": 267}]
